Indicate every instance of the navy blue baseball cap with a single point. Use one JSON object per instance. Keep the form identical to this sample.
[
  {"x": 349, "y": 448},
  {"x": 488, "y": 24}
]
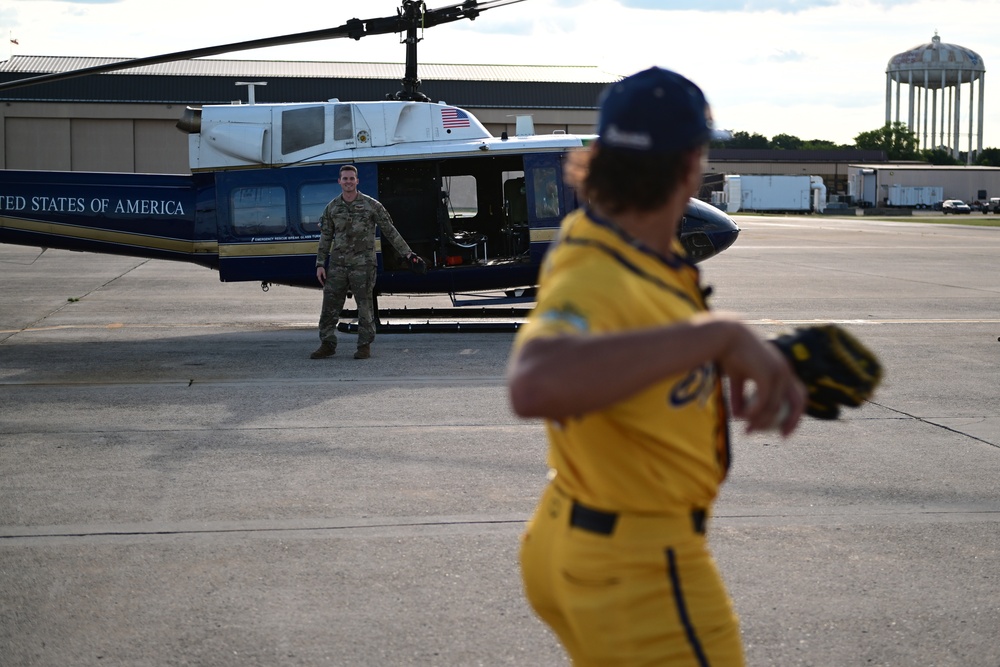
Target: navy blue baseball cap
[{"x": 654, "y": 111}]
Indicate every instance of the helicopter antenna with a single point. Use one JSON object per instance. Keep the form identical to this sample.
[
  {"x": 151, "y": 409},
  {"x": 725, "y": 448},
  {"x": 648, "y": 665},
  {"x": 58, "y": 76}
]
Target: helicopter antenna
[{"x": 411, "y": 16}]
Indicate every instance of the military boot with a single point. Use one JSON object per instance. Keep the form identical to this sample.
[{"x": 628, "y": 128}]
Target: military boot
[
  {"x": 364, "y": 351},
  {"x": 323, "y": 351}
]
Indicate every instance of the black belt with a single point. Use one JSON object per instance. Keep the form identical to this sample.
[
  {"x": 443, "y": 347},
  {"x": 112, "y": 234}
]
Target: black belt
[{"x": 603, "y": 523}]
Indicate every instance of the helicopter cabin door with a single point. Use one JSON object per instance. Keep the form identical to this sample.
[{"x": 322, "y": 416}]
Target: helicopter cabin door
[
  {"x": 411, "y": 193},
  {"x": 549, "y": 199}
]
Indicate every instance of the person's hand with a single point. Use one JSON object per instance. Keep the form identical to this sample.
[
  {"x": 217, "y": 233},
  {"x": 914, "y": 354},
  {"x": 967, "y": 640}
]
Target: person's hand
[
  {"x": 778, "y": 398},
  {"x": 321, "y": 275},
  {"x": 416, "y": 263}
]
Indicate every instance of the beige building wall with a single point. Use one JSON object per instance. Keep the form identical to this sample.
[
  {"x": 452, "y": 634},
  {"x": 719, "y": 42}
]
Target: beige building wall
[
  {"x": 102, "y": 145},
  {"x": 546, "y": 121},
  {"x": 92, "y": 137},
  {"x": 959, "y": 182},
  {"x": 37, "y": 143},
  {"x": 160, "y": 147},
  {"x": 834, "y": 174}
]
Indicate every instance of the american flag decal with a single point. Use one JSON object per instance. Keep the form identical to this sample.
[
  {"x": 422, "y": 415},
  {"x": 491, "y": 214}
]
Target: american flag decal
[{"x": 452, "y": 117}]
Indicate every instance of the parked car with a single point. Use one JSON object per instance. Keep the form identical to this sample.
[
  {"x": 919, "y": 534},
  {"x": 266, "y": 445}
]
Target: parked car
[
  {"x": 937, "y": 205},
  {"x": 955, "y": 206},
  {"x": 995, "y": 204}
]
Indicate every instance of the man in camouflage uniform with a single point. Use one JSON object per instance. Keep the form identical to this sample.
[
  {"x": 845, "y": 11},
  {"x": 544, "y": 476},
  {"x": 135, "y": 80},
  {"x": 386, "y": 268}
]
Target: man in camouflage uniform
[{"x": 347, "y": 245}]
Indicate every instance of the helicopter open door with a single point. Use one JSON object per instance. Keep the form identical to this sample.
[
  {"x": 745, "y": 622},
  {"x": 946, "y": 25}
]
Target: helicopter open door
[{"x": 438, "y": 215}]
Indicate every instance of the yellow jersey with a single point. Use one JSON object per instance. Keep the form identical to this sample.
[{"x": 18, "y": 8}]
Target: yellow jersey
[{"x": 664, "y": 449}]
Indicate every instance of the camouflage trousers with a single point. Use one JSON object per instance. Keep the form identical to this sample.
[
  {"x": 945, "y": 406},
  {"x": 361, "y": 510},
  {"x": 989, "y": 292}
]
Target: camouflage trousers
[{"x": 359, "y": 280}]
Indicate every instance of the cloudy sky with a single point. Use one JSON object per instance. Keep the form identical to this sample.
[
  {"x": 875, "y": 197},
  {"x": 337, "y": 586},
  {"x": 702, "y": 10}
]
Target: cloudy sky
[{"x": 811, "y": 68}]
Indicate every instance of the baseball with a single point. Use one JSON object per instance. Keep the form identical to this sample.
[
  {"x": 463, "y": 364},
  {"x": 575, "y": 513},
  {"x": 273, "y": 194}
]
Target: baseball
[
  {"x": 783, "y": 412},
  {"x": 782, "y": 416}
]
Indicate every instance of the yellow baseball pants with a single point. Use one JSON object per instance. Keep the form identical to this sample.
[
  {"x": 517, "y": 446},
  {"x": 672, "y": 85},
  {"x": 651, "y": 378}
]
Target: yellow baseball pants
[{"x": 627, "y": 590}]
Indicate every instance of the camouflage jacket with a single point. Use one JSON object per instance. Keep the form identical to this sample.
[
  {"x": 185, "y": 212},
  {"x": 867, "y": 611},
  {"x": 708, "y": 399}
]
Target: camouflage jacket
[{"x": 347, "y": 232}]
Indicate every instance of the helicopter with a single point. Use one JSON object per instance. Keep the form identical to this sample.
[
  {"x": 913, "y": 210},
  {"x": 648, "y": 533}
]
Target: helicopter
[{"x": 482, "y": 210}]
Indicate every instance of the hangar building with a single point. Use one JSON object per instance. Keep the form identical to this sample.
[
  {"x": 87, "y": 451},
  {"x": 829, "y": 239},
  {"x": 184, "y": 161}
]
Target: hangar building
[{"x": 869, "y": 184}]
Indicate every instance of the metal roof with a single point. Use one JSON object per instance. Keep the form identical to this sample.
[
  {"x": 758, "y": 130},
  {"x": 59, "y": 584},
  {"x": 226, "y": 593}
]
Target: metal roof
[
  {"x": 927, "y": 167},
  {"x": 212, "y": 81}
]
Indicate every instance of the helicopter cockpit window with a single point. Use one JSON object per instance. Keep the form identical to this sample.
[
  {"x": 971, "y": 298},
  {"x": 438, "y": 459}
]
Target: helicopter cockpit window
[
  {"x": 343, "y": 123},
  {"x": 546, "y": 185},
  {"x": 301, "y": 128},
  {"x": 313, "y": 198},
  {"x": 259, "y": 210},
  {"x": 461, "y": 196}
]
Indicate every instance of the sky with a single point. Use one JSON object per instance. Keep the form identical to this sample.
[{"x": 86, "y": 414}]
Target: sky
[{"x": 814, "y": 69}]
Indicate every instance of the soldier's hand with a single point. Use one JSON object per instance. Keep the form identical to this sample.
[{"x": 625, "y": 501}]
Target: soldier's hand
[
  {"x": 416, "y": 263},
  {"x": 321, "y": 275}
]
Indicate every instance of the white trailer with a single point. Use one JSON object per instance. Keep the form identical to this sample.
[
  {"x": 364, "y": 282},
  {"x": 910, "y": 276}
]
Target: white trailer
[
  {"x": 796, "y": 194},
  {"x": 914, "y": 196}
]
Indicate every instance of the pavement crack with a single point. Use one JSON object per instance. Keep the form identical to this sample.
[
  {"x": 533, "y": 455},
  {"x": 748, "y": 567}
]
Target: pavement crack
[
  {"x": 436, "y": 523},
  {"x": 936, "y": 424},
  {"x": 70, "y": 300}
]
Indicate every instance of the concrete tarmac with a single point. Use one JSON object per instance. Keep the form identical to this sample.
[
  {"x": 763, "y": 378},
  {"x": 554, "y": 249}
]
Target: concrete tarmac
[{"x": 181, "y": 485}]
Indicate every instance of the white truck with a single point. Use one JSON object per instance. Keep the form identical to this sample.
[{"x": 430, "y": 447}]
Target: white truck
[
  {"x": 914, "y": 196},
  {"x": 771, "y": 193}
]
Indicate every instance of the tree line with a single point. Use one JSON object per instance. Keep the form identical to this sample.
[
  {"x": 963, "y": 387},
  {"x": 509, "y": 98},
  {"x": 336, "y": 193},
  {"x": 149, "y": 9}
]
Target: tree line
[{"x": 898, "y": 142}]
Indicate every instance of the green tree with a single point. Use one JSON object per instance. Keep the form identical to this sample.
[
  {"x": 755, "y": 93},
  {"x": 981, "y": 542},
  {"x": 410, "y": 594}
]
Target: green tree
[
  {"x": 895, "y": 139},
  {"x": 786, "y": 142},
  {"x": 746, "y": 140},
  {"x": 938, "y": 156},
  {"x": 990, "y": 157}
]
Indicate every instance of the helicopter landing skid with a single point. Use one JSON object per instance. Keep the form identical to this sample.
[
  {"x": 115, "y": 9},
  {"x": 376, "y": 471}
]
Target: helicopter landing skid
[{"x": 441, "y": 320}]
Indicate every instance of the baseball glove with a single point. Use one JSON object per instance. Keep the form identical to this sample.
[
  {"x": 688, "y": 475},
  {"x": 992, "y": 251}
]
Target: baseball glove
[
  {"x": 417, "y": 264},
  {"x": 833, "y": 365}
]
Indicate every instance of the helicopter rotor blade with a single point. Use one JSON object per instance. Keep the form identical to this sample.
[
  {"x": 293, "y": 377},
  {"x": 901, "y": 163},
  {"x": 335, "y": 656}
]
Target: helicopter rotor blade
[
  {"x": 469, "y": 9},
  {"x": 355, "y": 29}
]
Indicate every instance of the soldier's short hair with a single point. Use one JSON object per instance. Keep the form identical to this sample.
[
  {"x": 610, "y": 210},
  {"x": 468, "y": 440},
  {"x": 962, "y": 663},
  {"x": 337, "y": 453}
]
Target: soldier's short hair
[{"x": 349, "y": 167}]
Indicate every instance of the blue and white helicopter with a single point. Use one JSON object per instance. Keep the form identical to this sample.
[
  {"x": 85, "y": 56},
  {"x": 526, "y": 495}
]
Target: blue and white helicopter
[{"x": 480, "y": 209}]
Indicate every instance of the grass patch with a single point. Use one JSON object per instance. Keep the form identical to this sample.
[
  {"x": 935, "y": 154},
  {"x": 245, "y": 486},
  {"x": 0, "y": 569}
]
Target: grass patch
[{"x": 992, "y": 221}]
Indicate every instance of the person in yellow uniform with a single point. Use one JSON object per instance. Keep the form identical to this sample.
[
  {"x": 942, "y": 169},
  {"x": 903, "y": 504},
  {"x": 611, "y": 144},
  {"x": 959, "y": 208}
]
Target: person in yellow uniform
[{"x": 624, "y": 361}]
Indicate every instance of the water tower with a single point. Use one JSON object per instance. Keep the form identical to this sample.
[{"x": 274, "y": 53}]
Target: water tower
[{"x": 932, "y": 68}]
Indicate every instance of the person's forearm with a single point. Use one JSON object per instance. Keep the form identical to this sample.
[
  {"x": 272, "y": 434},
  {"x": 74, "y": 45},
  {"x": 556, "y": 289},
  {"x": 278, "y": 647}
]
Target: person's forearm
[{"x": 566, "y": 376}]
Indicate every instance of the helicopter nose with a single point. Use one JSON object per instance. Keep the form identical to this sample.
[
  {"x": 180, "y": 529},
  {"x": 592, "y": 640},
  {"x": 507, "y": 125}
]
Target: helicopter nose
[
  {"x": 724, "y": 238},
  {"x": 701, "y": 245},
  {"x": 706, "y": 231}
]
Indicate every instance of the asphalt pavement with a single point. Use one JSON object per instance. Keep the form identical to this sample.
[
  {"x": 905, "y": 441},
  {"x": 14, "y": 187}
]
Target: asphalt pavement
[{"x": 181, "y": 485}]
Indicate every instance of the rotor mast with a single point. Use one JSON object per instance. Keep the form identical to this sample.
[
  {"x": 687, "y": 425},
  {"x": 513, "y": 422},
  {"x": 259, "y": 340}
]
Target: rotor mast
[{"x": 412, "y": 12}]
